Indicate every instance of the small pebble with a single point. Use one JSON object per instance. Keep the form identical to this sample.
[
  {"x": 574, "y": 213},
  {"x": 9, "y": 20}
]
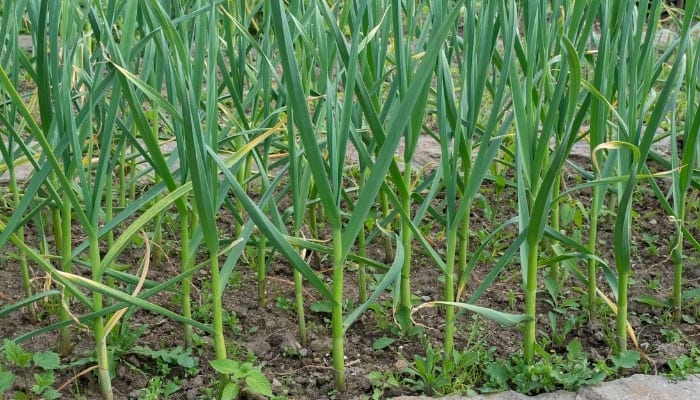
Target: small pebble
[
  {"x": 321, "y": 345},
  {"x": 197, "y": 381},
  {"x": 289, "y": 343},
  {"x": 634, "y": 321},
  {"x": 400, "y": 364},
  {"x": 270, "y": 324},
  {"x": 259, "y": 347},
  {"x": 599, "y": 337}
]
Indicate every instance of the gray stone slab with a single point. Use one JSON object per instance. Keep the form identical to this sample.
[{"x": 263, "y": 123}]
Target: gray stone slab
[
  {"x": 636, "y": 387},
  {"x": 509, "y": 395},
  {"x": 643, "y": 387},
  {"x": 24, "y": 170},
  {"x": 22, "y": 174},
  {"x": 558, "y": 395},
  {"x": 25, "y": 42}
]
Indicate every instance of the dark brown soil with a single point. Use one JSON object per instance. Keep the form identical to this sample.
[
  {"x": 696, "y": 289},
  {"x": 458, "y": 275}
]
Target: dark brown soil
[{"x": 267, "y": 334}]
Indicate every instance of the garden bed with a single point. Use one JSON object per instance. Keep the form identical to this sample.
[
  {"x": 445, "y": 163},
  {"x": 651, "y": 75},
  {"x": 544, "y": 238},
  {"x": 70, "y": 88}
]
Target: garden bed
[
  {"x": 445, "y": 197},
  {"x": 147, "y": 364}
]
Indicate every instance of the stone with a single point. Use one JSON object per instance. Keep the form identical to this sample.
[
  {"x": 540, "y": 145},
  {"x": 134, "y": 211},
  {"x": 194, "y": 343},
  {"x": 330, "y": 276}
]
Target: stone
[
  {"x": 321, "y": 345},
  {"x": 258, "y": 347},
  {"x": 191, "y": 394},
  {"x": 642, "y": 387},
  {"x": 636, "y": 387},
  {"x": 288, "y": 343},
  {"x": 667, "y": 351}
]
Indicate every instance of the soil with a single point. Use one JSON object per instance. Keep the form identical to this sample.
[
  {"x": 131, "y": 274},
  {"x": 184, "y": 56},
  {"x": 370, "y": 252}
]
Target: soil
[{"x": 267, "y": 335}]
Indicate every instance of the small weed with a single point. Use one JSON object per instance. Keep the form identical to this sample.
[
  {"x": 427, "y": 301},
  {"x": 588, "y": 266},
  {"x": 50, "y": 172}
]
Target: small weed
[
  {"x": 462, "y": 373},
  {"x": 651, "y": 240},
  {"x": 235, "y": 280},
  {"x": 230, "y": 319},
  {"x": 671, "y": 335},
  {"x": 40, "y": 366},
  {"x": 653, "y": 284},
  {"x": 382, "y": 314},
  {"x": 428, "y": 372},
  {"x": 512, "y": 301},
  {"x": 157, "y": 389},
  {"x": 684, "y": 365},
  {"x": 560, "y": 332},
  {"x": 573, "y": 211},
  {"x": 485, "y": 205},
  {"x": 381, "y": 382},
  {"x": 123, "y": 338},
  {"x": 565, "y": 315},
  {"x": 165, "y": 359},
  {"x": 284, "y": 303},
  {"x": 242, "y": 377},
  {"x": 553, "y": 371},
  {"x": 203, "y": 312}
]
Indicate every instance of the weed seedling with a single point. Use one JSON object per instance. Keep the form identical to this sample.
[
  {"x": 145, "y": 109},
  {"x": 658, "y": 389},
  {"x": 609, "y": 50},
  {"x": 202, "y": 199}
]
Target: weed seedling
[
  {"x": 512, "y": 301},
  {"x": 40, "y": 365},
  {"x": 165, "y": 359},
  {"x": 157, "y": 389},
  {"x": 684, "y": 365},
  {"x": 284, "y": 303},
  {"x": 461, "y": 373},
  {"x": 671, "y": 335},
  {"x": 381, "y": 382},
  {"x": 651, "y": 240},
  {"x": 242, "y": 377},
  {"x": 548, "y": 373},
  {"x": 561, "y": 331}
]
